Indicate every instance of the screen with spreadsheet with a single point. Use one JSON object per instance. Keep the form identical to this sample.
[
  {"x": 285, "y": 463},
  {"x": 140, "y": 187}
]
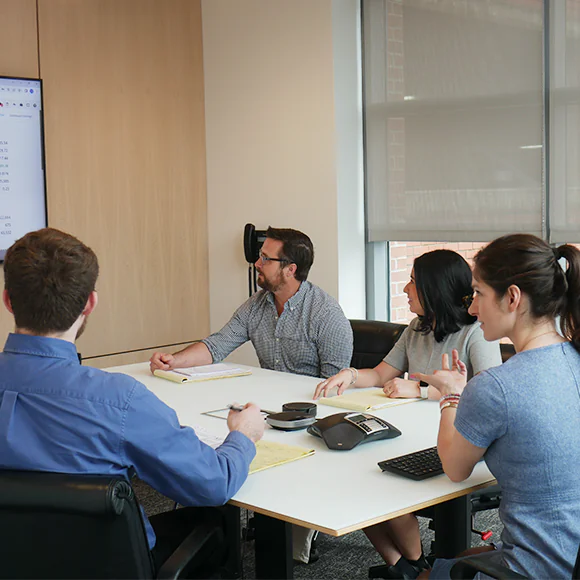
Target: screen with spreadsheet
[{"x": 22, "y": 171}]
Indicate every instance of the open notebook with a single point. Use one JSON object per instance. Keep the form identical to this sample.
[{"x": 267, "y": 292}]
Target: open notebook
[
  {"x": 202, "y": 373},
  {"x": 268, "y": 453},
  {"x": 364, "y": 400}
]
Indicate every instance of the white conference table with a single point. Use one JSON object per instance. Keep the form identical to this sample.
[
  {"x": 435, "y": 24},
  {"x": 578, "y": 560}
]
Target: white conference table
[{"x": 335, "y": 492}]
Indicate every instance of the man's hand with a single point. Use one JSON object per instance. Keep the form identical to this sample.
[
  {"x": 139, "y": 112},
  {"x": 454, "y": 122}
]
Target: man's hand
[
  {"x": 401, "y": 389},
  {"x": 162, "y": 361},
  {"x": 341, "y": 380},
  {"x": 250, "y": 422},
  {"x": 447, "y": 381}
]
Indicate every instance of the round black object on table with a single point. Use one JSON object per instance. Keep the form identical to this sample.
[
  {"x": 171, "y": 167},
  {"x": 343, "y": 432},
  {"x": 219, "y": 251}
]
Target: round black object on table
[
  {"x": 290, "y": 420},
  {"x": 306, "y": 408}
]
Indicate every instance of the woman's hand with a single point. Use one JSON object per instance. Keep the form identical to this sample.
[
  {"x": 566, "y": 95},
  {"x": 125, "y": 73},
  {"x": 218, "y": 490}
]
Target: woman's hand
[
  {"x": 341, "y": 380},
  {"x": 402, "y": 389},
  {"x": 448, "y": 380}
]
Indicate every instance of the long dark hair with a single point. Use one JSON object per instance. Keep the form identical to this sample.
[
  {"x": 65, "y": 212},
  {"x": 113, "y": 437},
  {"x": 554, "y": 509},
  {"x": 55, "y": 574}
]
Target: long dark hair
[
  {"x": 532, "y": 265},
  {"x": 443, "y": 280}
]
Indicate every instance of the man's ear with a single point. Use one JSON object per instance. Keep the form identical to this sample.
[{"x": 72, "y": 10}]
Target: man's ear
[
  {"x": 91, "y": 303},
  {"x": 6, "y": 300},
  {"x": 291, "y": 270}
]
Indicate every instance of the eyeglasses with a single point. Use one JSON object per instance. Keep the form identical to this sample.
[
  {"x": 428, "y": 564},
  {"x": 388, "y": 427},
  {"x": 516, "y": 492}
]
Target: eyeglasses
[
  {"x": 467, "y": 300},
  {"x": 266, "y": 259}
]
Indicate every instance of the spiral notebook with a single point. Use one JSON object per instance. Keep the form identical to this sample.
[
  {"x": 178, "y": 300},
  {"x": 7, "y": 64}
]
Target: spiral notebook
[
  {"x": 202, "y": 373},
  {"x": 364, "y": 400}
]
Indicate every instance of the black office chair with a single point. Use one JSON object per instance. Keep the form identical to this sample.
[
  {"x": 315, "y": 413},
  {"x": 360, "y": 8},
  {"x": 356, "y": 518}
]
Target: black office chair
[
  {"x": 373, "y": 340},
  {"x": 467, "y": 568},
  {"x": 80, "y": 526},
  {"x": 507, "y": 351}
]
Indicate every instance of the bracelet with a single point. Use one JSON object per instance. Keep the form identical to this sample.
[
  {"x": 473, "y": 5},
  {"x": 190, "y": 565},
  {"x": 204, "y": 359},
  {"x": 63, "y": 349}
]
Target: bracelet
[
  {"x": 451, "y": 397},
  {"x": 449, "y": 400},
  {"x": 354, "y": 374}
]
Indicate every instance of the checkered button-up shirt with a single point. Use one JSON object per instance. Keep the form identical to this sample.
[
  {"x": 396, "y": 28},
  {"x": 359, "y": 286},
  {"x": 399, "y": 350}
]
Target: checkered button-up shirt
[{"x": 311, "y": 337}]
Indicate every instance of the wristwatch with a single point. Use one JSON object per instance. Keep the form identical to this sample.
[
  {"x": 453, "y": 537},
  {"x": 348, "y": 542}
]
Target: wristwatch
[{"x": 424, "y": 388}]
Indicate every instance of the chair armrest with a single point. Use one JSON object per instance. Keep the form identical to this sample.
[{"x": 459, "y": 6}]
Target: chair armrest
[
  {"x": 467, "y": 568},
  {"x": 188, "y": 550}
]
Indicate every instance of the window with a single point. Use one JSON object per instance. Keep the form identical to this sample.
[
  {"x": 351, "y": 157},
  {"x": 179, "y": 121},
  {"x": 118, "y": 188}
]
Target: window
[{"x": 468, "y": 133}]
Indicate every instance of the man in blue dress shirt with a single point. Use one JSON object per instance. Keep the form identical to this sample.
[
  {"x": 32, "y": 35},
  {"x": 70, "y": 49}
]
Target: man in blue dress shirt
[{"x": 58, "y": 416}]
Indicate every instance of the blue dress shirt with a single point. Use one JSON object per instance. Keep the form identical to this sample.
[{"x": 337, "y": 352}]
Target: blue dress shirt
[{"x": 58, "y": 416}]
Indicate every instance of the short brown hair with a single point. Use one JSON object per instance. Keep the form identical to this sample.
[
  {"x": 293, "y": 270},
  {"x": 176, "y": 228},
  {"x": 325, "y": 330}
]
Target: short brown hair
[
  {"x": 49, "y": 276},
  {"x": 297, "y": 249}
]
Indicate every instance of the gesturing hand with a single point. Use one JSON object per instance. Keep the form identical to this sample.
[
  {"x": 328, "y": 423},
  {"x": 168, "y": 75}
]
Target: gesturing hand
[{"x": 447, "y": 380}]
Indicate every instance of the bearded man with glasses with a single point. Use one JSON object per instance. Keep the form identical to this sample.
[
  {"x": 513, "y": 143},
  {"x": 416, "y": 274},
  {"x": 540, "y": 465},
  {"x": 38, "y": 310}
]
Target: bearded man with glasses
[{"x": 295, "y": 326}]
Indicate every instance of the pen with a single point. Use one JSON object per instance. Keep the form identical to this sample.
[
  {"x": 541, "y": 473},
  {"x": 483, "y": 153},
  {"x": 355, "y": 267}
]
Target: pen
[{"x": 240, "y": 408}]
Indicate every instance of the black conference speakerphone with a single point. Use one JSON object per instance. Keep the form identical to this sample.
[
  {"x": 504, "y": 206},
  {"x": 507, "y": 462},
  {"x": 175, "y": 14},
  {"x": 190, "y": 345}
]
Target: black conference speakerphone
[{"x": 418, "y": 465}]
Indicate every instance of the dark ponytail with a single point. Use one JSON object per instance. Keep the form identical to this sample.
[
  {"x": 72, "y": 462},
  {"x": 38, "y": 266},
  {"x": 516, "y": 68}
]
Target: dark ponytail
[
  {"x": 531, "y": 264},
  {"x": 570, "y": 317}
]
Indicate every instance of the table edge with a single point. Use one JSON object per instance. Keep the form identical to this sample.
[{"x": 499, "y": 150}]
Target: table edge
[{"x": 348, "y": 529}]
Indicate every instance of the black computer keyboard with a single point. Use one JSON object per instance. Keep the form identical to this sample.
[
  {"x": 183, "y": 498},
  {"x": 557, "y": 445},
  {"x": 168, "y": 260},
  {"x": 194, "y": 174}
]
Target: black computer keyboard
[{"x": 418, "y": 465}]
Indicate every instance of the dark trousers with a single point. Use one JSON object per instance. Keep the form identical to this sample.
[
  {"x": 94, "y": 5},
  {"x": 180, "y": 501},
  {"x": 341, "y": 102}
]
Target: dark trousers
[{"x": 172, "y": 527}]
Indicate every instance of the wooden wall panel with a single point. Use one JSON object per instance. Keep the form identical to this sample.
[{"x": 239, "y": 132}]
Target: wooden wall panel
[
  {"x": 127, "y": 358},
  {"x": 125, "y": 150},
  {"x": 18, "y": 45}
]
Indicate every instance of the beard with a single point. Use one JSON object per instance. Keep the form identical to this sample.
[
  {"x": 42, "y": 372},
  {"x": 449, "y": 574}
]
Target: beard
[{"x": 270, "y": 285}]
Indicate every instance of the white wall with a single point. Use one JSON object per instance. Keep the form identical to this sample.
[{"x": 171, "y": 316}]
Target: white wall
[
  {"x": 346, "y": 34},
  {"x": 271, "y": 139}
]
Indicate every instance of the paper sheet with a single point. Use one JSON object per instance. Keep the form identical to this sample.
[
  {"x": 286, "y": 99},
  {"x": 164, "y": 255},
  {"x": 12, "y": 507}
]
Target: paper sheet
[
  {"x": 208, "y": 438},
  {"x": 364, "y": 400}
]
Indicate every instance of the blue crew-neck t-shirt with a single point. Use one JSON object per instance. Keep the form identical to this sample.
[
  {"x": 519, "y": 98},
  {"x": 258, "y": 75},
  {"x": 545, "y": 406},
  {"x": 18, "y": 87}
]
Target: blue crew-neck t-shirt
[{"x": 526, "y": 412}]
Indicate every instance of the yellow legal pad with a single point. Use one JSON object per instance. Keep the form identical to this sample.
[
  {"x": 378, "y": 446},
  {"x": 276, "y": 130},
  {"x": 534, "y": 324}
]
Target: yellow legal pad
[
  {"x": 270, "y": 454},
  {"x": 367, "y": 400},
  {"x": 202, "y": 373}
]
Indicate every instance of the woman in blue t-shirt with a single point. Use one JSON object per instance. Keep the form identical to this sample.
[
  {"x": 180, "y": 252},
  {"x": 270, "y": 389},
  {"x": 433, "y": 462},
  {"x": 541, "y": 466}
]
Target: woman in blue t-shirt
[{"x": 522, "y": 417}]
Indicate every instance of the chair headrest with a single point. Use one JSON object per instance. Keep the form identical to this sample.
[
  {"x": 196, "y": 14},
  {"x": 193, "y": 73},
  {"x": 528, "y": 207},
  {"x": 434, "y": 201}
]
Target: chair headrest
[
  {"x": 81, "y": 494},
  {"x": 375, "y": 335}
]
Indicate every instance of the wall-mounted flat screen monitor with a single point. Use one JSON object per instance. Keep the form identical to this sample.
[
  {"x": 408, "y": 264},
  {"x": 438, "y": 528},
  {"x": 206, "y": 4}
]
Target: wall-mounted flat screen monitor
[{"x": 22, "y": 175}]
